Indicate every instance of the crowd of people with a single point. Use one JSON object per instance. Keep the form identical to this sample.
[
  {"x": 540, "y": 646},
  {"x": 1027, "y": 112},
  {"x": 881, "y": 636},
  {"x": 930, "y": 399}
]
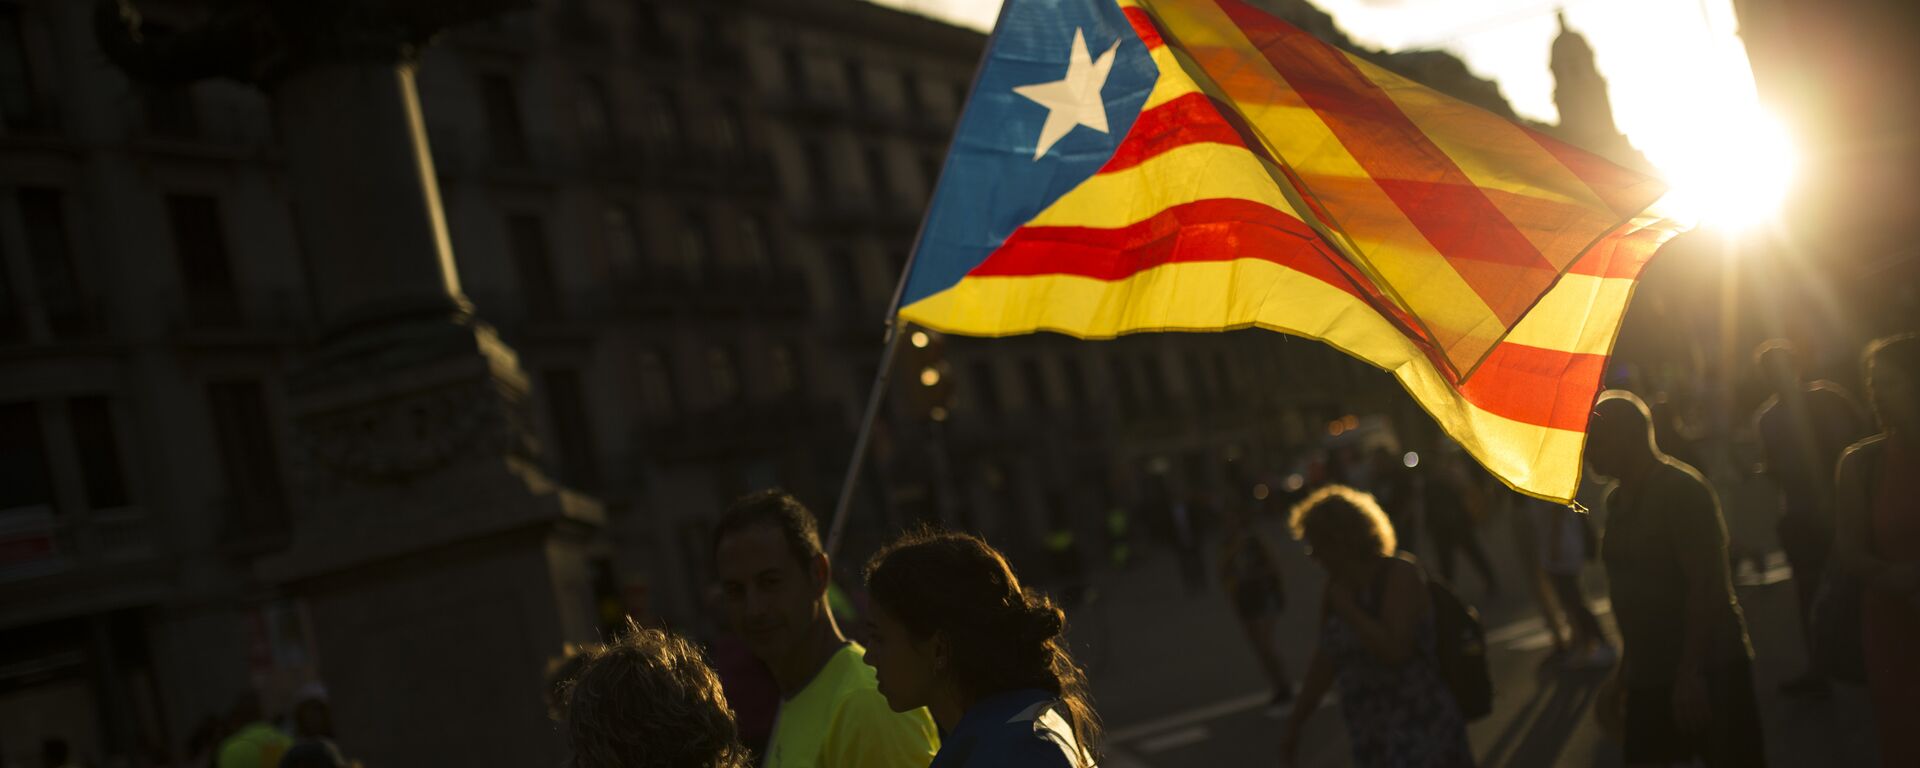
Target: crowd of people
[
  {"x": 966, "y": 666},
  {"x": 963, "y": 664}
]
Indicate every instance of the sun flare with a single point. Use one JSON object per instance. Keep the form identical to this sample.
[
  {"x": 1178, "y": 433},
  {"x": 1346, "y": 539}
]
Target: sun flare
[{"x": 1734, "y": 174}]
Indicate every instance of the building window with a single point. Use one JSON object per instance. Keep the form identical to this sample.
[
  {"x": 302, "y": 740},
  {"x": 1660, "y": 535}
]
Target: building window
[
  {"x": 249, "y": 454},
  {"x": 796, "y": 65},
  {"x": 910, "y": 95},
  {"x": 753, "y": 245},
  {"x": 663, "y": 117},
  {"x": 1036, "y": 383},
  {"x": 878, "y": 185},
  {"x": 623, "y": 244},
  {"x": 206, "y": 272},
  {"x": 783, "y": 369},
  {"x": 26, "y": 479},
  {"x": 533, "y": 264},
  {"x": 656, "y": 385},
  {"x": 930, "y": 164},
  {"x": 98, "y": 447},
  {"x": 819, "y": 169},
  {"x": 651, "y": 32},
  {"x": 723, "y": 374},
  {"x": 596, "y": 115},
  {"x": 726, "y": 130},
  {"x": 694, "y": 246},
  {"x": 857, "y": 91},
  {"x": 1156, "y": 380},
  {"x": 12, "y": 317},
  {"x": 986, "y": 390},
  {"x": 1076, "y": 380},
  {"x": 853, "y": 289},
  {"x": 50, "y": 252},
  {"x": 1223, "y": 374},
  {"x": 170, "y": 111},
  {"x": 571, "y": 428},
  {"x": 19, "y": 108},
  {"x": 505, "y": 131},
  {"x": 1123, "y": 385}
]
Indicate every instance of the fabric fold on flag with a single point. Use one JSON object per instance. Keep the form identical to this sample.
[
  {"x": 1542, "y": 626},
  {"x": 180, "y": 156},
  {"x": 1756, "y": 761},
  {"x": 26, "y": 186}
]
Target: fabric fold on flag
[{"x": 1252, "y": 176}]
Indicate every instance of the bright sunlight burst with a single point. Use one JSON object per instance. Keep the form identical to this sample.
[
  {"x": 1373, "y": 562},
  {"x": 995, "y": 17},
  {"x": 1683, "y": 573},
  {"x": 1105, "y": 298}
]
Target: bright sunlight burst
[{"x": 1736, "y": 176}]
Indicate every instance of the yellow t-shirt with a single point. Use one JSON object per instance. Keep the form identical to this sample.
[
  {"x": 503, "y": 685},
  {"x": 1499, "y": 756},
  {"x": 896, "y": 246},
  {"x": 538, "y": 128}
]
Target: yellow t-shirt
[
  {"x": 256, "y": 745},
  {"x": 840, "y": 720}
]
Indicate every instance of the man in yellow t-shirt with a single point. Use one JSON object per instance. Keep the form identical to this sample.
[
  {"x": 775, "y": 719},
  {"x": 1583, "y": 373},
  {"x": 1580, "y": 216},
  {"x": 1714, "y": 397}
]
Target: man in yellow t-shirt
[
  {"x": 255, "y": 743},
  {"x": 774, "y": 577}
]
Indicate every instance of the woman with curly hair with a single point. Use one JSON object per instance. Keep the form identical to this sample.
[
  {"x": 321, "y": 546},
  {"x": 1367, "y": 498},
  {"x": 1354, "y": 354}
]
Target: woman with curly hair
[
  {"x": 1377, "y": 641},
  {"x": 954, "y": 631},
  {"x": 648, "y": 700}
]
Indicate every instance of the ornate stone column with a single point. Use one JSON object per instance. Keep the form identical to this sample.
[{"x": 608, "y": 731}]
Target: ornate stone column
[{"x": 441, "y": 567}]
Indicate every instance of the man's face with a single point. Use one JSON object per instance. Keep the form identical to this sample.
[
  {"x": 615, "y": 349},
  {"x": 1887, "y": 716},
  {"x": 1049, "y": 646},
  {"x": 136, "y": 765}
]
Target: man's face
[{"x": 770, "y": 596}]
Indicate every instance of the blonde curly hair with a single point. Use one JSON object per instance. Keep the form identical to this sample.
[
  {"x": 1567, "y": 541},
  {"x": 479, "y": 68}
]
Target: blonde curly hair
[{"x": 1342, "y": 520}]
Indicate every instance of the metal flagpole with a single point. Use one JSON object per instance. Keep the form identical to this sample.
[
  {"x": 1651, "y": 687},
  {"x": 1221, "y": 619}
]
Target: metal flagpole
[{"x": 890, "y": 342}]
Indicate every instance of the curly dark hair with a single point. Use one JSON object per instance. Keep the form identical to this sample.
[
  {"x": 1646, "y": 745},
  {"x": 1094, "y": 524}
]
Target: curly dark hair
[
  {"x": 649, "y": 700},
  {"x": 1003, "y": 637},
  {"x": 1343, "y": 520}
]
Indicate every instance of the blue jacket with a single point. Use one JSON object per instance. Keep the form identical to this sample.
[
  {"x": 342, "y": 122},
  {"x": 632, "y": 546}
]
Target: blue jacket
[{"x": 1012, "y": 729}]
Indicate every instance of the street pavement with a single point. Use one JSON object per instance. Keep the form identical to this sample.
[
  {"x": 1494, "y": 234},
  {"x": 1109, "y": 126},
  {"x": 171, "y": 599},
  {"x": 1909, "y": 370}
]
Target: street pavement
[{"x": 1177, "y": 685}]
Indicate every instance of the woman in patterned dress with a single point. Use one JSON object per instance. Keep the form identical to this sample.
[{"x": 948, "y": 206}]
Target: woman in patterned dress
[{"x": 1376, "y": 642}]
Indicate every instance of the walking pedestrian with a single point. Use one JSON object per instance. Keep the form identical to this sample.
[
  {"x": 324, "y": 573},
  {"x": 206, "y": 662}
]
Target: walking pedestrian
[
  {"x": 1377, "y": 641},
  {"x": 1449, "y": 508},
  {"x": 774, "y": 579},
  {"x": 955, "y": 632},
  {"x": 1685, "y": 679},
  {"x": 1803, "y": 428},
  {"x": 1565, "y": 544},
  {"x": 1879, "y": 538},
  {"x": 648, "y": 699},
  {"x": 1251, "y": 576}
]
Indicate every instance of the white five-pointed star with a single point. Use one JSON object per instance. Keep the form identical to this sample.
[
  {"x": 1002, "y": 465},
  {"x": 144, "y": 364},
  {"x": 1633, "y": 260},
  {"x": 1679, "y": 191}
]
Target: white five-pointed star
[{"x": 1075, "y": 99}]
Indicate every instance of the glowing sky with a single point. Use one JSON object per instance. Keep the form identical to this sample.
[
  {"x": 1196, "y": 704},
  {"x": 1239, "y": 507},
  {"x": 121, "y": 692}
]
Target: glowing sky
[{"x": 1677, "y": 73}]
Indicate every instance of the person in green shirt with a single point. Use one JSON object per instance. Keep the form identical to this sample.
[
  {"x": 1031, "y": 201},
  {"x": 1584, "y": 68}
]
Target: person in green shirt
[
  {"x": 774, "y": 578},
  {"x": 255, "y": 743}
]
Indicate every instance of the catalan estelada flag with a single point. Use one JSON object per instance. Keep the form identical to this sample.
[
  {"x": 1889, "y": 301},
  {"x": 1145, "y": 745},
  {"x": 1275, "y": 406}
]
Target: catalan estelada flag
[{"x": 1199, "y": 165}]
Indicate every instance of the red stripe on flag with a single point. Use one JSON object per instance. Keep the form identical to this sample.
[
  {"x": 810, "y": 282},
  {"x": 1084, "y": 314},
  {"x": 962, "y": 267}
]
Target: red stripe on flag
[
  {"x": 1621, "y": 254},
  {"x": 1623, "y": 190},
  {"x": 1447, "y": 207},
  {"x": 1220, "y": 229},
  {"x": 1197, "y": 118},
  {"x": 1526, "y": 384},
  {"x": 1538, "y": 386},
  {"x": 1144, "y": 27},
  {"x": 1189, "y": 119}
]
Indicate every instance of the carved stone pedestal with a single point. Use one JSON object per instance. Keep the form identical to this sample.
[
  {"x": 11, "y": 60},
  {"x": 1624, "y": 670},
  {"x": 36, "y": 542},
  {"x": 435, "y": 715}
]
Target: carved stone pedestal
[{"x": 441, "y": 568}]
